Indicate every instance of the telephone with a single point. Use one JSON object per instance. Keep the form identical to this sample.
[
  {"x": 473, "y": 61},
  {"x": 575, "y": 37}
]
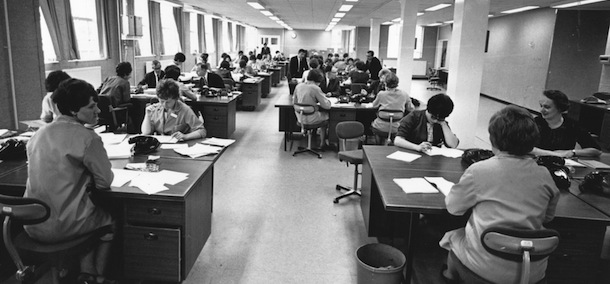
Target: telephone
[
  {"x": 143, "y": 144},
  {"x": 559, "y": 172},
  {"x": 13, "y": 149},
  {"x": 597, "y": 182},
  {"x": 471, "y": 156}
]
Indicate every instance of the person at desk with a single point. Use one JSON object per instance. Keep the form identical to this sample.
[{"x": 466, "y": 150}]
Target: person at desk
[
  {"x": 330, "y": 83},
  {"x": 298, "y": 64},
  {"x": 310, "y": 93},
  {"x": 359, "y": 76},
  {"x": 73, "y": 170},
  {"x": 170, "y": 116},
  {"x": 224, "y": 71},
  {"x": 253, "y": 63},
  {"x": 49, "y": 109},
  {"x": 207, "y": 78},
  {"x": 313, "y": 64},
  {"x": 422, "y": 129},
  {"x": 390, "y": 99},
  {"x": 152, "y": 78},
  {"x": 179, "y": 58},
  {"x": 508, "y": 190},
  {"x": 117, "y": 87},
  {"x": 559, "y": 134},
  {"x": 173, "y": 72}
]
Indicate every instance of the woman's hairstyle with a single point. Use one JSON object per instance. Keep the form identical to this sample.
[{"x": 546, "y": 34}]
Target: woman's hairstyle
[
  {"x": 315, "y": 75},
  {"x": 172, "y": 72},
  {"x": 360, "y": 65},
  {"x": 253, "y": 57},
  {"x": 72, "y": 94},
  {"x": 225, "y": 65},
  {"x": 439, "y": 105},
  {"x": 179, "y": 57},
  {"x": 384, "y": 72},
  {"x": 168, "y": 89},
  {"x": 259, "y": 57},
  {"x": 313, "y": 63},
  {"x": 513, "y": 130},
  {"x": 123, "y": 69},
  {"x": 559, "y": 99},
  {"x": 242, "y": 64},
  {"x": 52, "y": 81},
  {"x": 391, "y": 80}
]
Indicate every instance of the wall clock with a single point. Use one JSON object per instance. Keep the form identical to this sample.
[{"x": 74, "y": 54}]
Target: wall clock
[{"x": 293, "y": 35}]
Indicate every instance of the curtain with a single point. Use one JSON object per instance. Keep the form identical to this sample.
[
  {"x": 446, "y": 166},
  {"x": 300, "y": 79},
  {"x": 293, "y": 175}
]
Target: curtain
[
  {"x": 103, "y": 8},
  {"x": 201, "y": 33},
  {"x": 216, "y": 28},
  {"x": 179, "y": 25},
  {"x": 345, "y": 40},
  {"x": 61, "y": 28},
  {"x": 230, "y": 27},
  {"x": 154, "y": 12},
  {"x": 238, "y": 37},
  {"x": 243, "y": 37}
]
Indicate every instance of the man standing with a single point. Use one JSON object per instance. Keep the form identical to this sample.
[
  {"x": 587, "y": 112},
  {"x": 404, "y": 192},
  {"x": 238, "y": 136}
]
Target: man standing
[
  {"x": 266, "y": 50},
  {"x": 373, "y": 65},
  {"x": 298, "y": 64},
  {"x": 152, "y": 78}
]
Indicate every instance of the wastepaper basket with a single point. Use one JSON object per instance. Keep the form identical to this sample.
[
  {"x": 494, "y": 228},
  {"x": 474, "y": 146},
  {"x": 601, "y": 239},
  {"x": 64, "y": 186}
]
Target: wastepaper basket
[{"x": 380, "y": 264}]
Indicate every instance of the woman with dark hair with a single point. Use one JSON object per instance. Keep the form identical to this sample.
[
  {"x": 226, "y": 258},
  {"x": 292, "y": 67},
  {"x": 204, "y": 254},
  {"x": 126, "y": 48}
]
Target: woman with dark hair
[
  {"x": 359, "y": 76},
  {"x": 313, "y": 64},
  {"x": 422, "y": 129},
  {"x": 49, "y": 109},
  {"x": 558, "y": 133},
  {"x": 117, "y": 87},
  {"x": 390, "y": 99},
  {"x": 508, "y": 190},
  {"x": 170, "y": 116},
  {"x": 73, "y": 157},
  {"x": 310, "y": 93}
]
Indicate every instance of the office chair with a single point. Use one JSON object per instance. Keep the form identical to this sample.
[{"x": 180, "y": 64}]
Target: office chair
[
  {"x": 56, "y": 256},
  {"x": 515, "y": 245},
  {"x": 389, "y": 115},
  {"x": 433, "y": 79},
  {"x": 350, "y": 135},
  {"x": 308, "y": 129},
  {"x": 108, "y": 114}
]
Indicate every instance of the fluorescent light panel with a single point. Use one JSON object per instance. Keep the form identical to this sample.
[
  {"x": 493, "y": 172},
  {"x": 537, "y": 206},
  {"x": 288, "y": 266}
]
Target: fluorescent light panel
[
  {"x": 420, "y": 13},
  {"x": 351, "y": 0},
  {"x": 345, "y": 8},
  {"x": 388, "y": 23},
  {"x": 267, "y": 13},
  {"x": 526, "y": 8},
  {"x": 577, "y": 3},
  {"x": 339, "y": 15},
  {"x": 256, "y": 5},
  {"x": 438, "y": 7},
  {"x": 435, "y": 24},
  {"x": 274, "y": 18},
  {"x": 396, "y": 20},
  {"x": 335, "y": 20}
]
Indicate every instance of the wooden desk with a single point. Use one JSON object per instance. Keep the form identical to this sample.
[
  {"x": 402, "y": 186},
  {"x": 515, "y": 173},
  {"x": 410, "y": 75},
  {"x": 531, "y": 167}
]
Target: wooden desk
[
  {"x": 275, "y": 75},
  {"x": 337, "y": 113},
  {"x": 251, "y": 93},
  {"x": 389, "y": 212},
  {"x": 161, "y": 234},
  {"x": 593, "y": 118},
  {"x": 266, "y": 84}
]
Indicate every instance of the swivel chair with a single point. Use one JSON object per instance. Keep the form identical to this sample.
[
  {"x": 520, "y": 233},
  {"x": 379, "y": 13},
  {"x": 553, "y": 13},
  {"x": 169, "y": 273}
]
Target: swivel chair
[
  {"x": 307, "y": 129},
  {"x": 350, "y": 135},
  {"x": 389, "y": 115},
  {"x": 108, "y": 114},
  {"x": 55, "y": 256},
  {"x": 433, "y": 79}
]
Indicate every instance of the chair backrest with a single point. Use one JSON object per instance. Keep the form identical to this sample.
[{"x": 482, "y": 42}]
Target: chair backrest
[
  {"x": 390, "y": 114},
  {"x": 349, "y": 134},
  {"x": 520, "y": 245},
  {"x": 357, "y": 87},
  {"x": 304, "y": 109}
]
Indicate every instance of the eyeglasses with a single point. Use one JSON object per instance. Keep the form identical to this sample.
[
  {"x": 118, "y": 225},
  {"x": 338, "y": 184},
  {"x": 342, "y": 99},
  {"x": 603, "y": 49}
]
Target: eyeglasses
[{"x": 437, "y": 117}]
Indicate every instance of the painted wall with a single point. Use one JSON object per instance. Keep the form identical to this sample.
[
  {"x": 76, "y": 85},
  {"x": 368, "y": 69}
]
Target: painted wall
[
  {"x": 517, "y": 61},
  {"x": 429, "y": 48},
  {"x": 275, "y": 32},
  {"x": 306, "y": 39},
  {"x": 383, "y": 43},
  {"x": 362, "y": 41},
  {"x": 580, "y": 37}
]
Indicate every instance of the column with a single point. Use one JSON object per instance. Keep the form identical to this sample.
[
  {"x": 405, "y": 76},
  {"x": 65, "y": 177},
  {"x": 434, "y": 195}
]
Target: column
[
  {"x": 466, "y": 55},
  {"x": 408, "y": 16},
  {"x": 374, "y": 35}
]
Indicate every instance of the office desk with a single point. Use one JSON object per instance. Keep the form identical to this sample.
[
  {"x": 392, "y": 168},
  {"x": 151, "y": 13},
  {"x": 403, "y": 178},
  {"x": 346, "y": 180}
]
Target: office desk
[
  {"x": 161, "y": 234},
  {"x": 389, "y": 212},
  {"x": 266, "y": 84},
  {"x": 251, "y": 93},
  {"x": 275, "y": 75},
  {"x": 337, "y": 113}
]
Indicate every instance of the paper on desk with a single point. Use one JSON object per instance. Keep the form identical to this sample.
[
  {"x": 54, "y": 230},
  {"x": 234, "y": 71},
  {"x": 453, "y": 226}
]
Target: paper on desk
[
  {"x": 572, "y": 163},
  {"x": 198, "y": 150},
  {"x": 595, "y": 164},
  {"x": 122, "y": 176},
  {"x": 415, "y": 185},
  {"x": 333, "y": 100},
  {"x": 367, "y": 105},
  {"x": 111, "y": 138},
  {"x": 165, "y": 139},
  {"x": 443, "y": 185},
  {"x": 4, "y": 132},
  {"x": 174, "y": 146},
  {"x": 447, "y": 152},
  {"x": 403, "y": 156},
  {"x": 148, "y": 183},
  {"x": 100, "y": 129},
  {"x": 172, "y": 177},
  {"x": 218, "y": 142},
  {"x": 118, "y": 151},
  {"x": 250, "y": 80}
]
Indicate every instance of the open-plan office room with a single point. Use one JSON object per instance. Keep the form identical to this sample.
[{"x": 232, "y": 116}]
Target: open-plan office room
[{"x": 254, "y": 213}]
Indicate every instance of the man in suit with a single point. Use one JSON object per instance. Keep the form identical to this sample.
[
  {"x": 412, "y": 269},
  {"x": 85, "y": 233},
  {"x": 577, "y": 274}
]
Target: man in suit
[
  {"x": 265, "y": 49},
  {"x": 298, "y": 64},
  {"x": 373, "y": 65},
  {"x": 208, "y": 78},
  {"x": 152, "y": 78},
  {"x": 330, "y": 83}
]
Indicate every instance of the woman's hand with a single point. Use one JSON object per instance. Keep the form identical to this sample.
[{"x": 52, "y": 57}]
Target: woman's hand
[
  {"x": 178, "y": 135},
  {"x": 424, "y": 146}
]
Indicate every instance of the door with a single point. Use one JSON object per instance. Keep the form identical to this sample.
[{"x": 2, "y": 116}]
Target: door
[{"x": 273, "y": 42}]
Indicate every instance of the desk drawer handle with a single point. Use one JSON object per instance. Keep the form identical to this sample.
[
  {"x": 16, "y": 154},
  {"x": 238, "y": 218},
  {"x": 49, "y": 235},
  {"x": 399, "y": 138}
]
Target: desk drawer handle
[
  {"x": 151, "y": 236},
  {"x": 154, "y": 211}
]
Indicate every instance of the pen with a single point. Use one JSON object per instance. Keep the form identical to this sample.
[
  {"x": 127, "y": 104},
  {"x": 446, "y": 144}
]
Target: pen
[{"x": 433, "y": 184}]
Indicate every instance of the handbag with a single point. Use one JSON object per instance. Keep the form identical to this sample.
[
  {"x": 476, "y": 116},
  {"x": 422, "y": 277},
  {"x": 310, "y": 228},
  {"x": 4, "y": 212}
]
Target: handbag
[
  {"x": 13, "y": 149},
  {"x": 471, "y": 156},
  {"x": 556, "y": 167}
]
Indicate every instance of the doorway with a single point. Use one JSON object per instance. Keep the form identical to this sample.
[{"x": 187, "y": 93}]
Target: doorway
[{"x": 273, "y": 42}]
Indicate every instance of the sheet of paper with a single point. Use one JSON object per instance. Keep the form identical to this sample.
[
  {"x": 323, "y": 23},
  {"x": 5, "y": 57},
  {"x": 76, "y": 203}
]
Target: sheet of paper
[
  {"x": 165, "y": 139},
  {"x": 570, "y": 162},
  {"x": 198, "y": 150},
  {"x": 172, "y": 177},
  {"x": 111, "y": 138},
  {"x": 118, "y": 151},
  {"x": 333, "y": 100},
  {"x": 174, "y": 146},
  {"x": 147, "y": 185},
  {"x": 122, "y": 176},
  {"x": 100, "y": 129},
  {"x": 218, "y": 142},
  {"x": 403, "y": 156},
  {"x": 415, "y": 185},
  {"x": 447, "y": 152},
  {"x": 595, "y": 164},
  {"x": 443, "y": 185}
]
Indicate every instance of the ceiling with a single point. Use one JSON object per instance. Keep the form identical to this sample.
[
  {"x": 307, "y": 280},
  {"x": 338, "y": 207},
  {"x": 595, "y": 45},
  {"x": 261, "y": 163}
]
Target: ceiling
[{"x": 317, "y": 14}]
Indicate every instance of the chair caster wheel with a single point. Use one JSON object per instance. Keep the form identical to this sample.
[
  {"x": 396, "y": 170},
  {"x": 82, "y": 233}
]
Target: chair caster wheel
[
  {"x": 337, "y": 187},
  {"x": 335, "y": 201}
]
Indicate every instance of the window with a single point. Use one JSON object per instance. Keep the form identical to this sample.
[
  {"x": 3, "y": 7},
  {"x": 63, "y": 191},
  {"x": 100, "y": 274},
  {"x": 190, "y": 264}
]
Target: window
[
  {"x": 393, "y": 36},
  {"x": 419, "y": 42},
  {"x": 171, "y": 41},
  {"x": 88, "y": 35},
  {"x": 47, "y": 42},
  {"x": 144, "y": 43},
  {"x": 226, "y": 45},
  {"x": 209, "y": 35},
  {"x": 194, "y": 33}
]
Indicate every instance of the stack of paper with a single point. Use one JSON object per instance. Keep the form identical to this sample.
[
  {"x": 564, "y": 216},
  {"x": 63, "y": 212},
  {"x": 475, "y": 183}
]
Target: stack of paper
[
  {"x": 415, "y": 185},
  {"x": 198, "y": 150},
  {"x": 447, "y": 152},
  {"x": 165, "y": 139},
  {"x": 250, "y": 80},
  {"x": 218, "y": 142},
  {"x": 148, "y": 182},
  {"x": 118, "y": 151},
  {"x": 111, "y": 138},
  {"x": 572, "y": 163},
  {"x": 443, "y": 185},
  {"x": 595, "y": 164},
  {"x": 174, "y": 146},
  {"x": 121, "y": 177},
  {"x": 403, "y": 156}
]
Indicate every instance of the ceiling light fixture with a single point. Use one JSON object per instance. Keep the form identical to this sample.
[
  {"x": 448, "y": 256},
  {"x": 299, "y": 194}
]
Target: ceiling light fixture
[
  {"x": 526, "y": 8},
  {"x": 387, "y": 23},
  {"x": 396, "y": 20},
  {"x": 577, "y": 3},
  {"x": 420, "y": 13},
  {"x": 274, "y": 18},
  {"x": 345, "y": 8},
  {"x": 437, "y": 7},
  {"x": 267, "y": 13},
  {"x": 448, "y": 22},
  {"x": 339, "y": 15},
  {"x": 335, "y": 20},
  {"x": 351, "y": 0},
  {"x": 256, "y": 5},
  {"x": 435, "y": 24}
]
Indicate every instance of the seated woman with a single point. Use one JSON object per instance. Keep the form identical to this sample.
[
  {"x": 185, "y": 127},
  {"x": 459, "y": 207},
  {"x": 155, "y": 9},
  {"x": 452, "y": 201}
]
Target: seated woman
[
  {"x": 559, "y": 134},
  {"x": 359, "y": 76},
  {"x": 224, "y": 70},
  {"x": 311, "y": 94},
  {"x": 509, "y": 190},
  {"x": 170, "y": 116},
  {"x": 73, "y": 157},
  {"x": 49, "y": 109},
  {"x": 313, "y": 64},
  {"x": 117, "y": 87},
  {"x": 390, "y": 99},
  {"x": 173, "y": 72},
  {"x": 422, "y": 129}
]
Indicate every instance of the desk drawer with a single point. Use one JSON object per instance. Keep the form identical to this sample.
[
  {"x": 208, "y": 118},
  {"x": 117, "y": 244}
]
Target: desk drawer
[
  {"x": 342, "y": 115},
  {"x": 214, "y": 111},
  {"x": 154, "y": 212},
  {"x": 215, "y": 119},
  {"x": 151, "y": 253}
]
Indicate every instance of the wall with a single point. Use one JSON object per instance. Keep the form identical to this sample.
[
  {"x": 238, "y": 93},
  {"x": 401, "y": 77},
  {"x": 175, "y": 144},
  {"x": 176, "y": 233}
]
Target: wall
[
  {"x": 517, "y": 61},
  {"x": 579, "y": 38},
  {"x": 306, "y": 39},
  {"x": 275, "y": 32},
  {"x": 362, "y": 42},
  {"x": 429, "y": 48}
]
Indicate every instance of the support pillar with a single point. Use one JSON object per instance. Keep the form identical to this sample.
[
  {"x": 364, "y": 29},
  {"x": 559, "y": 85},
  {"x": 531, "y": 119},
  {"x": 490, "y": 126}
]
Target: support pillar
[
  {"x": 408, "y": 16},
  {"x": 374, "y": 35}
]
